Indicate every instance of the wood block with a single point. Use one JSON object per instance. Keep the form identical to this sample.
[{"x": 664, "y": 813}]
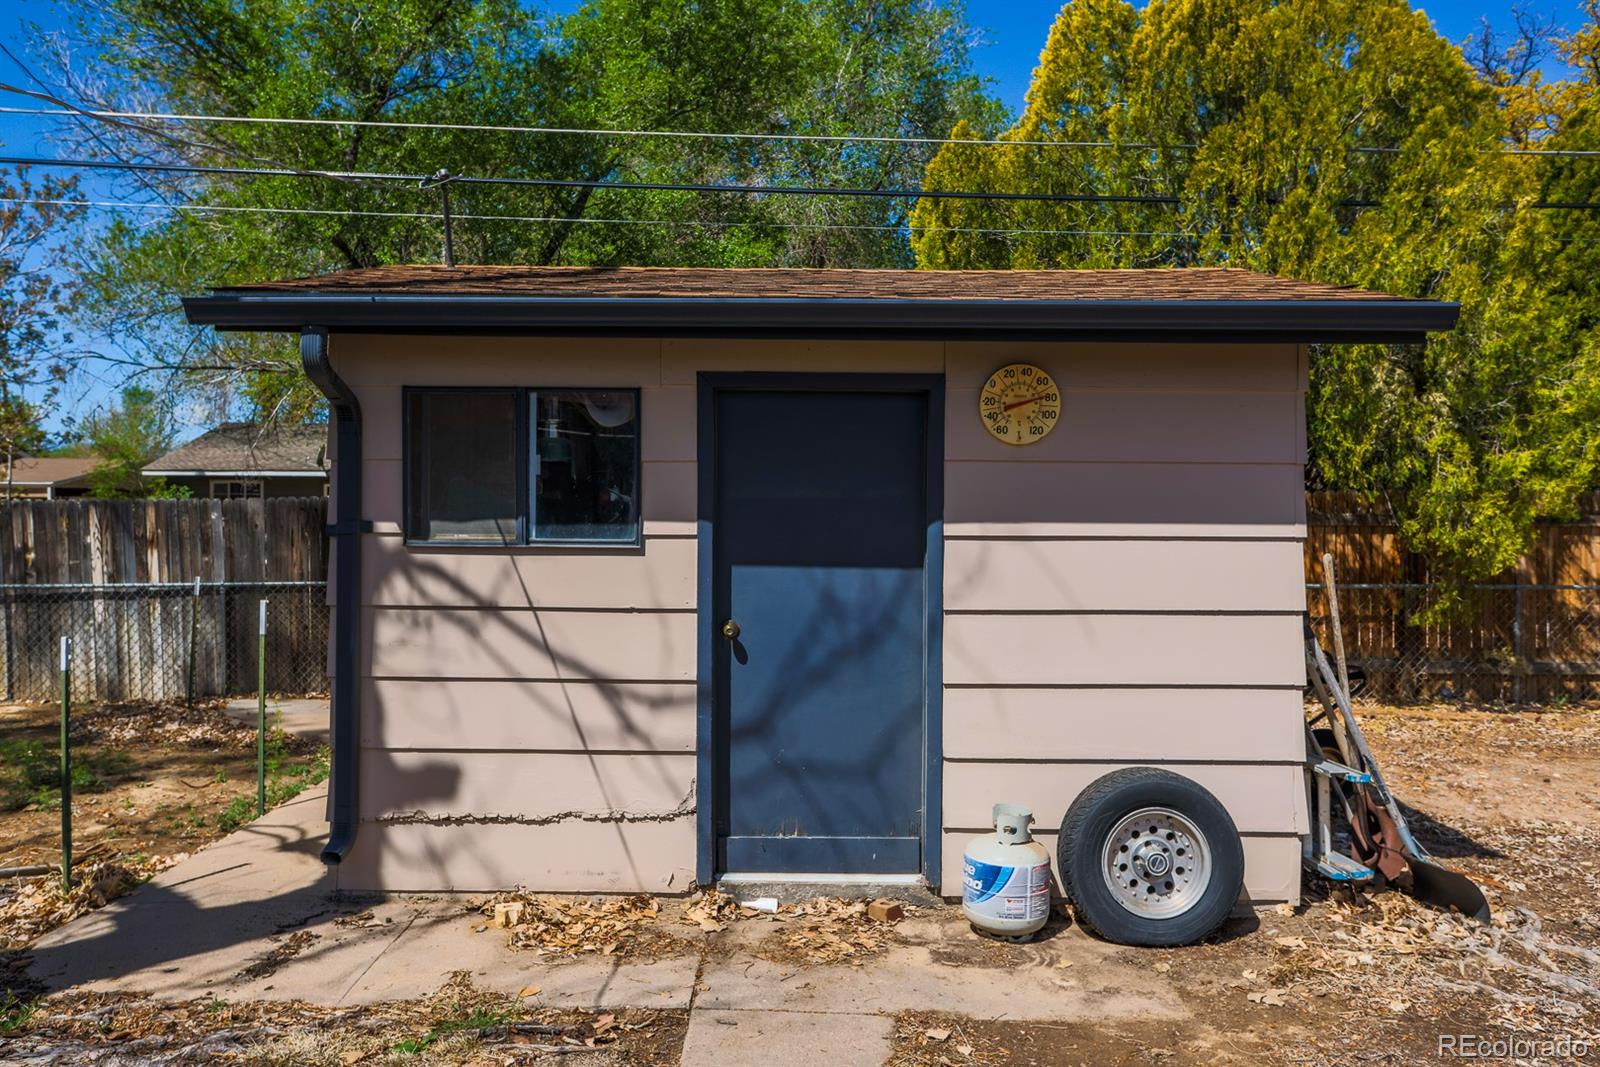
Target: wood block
[
  {"x": 885, "y": 911},
  {"x": 508, "y": 914}
]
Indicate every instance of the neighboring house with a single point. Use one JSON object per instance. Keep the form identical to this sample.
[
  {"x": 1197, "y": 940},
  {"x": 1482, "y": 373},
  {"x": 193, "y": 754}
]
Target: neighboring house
[
  {"x": 647, "y": 578},
  {"x": 242, "y": 460},
  {"x": 47, "y": 477}
]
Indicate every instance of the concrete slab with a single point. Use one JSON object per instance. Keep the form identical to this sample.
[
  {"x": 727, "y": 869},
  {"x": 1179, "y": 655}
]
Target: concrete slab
[
  {"x": 785, "y": 1039},
  {"x": 441, "y": 940},
  {"x": 301, "y": 716},
  {"x": 946, "y": 967},
  {"x": 255, "y": 917},
  {"x": 197, "y": 924}
]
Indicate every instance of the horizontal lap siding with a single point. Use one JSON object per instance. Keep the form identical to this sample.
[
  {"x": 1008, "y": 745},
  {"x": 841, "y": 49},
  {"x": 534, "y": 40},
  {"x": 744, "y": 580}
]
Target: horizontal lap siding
[
  {"x": 569, "y": 716},
  {"x": 1261, "y": 797},
  {"x": 529, "y": 644},
  {"x": 1136, "y": 649},
  {"x": 661, "y": 575},
  {"x": 528, "y": 786},
  {"x": 1271, "y": 864},
  {"x": 1103, "y": 575},
  {"x": 1128, "y": 591},
  {"x": 1184, "y": 427},
  {"x": 502, "y": 687},
  {"x": 1167, "y": 500},
  {"x": 569, "y": 857},
  {"x": 1213, "y": 725},
  {"x": 528, "y": 713}
]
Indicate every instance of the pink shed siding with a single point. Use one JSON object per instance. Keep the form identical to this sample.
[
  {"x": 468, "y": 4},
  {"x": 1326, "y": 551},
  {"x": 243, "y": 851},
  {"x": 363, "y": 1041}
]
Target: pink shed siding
[
  {"x": 1129, "y": 591},
  {"x": 1126, "y": 592}
]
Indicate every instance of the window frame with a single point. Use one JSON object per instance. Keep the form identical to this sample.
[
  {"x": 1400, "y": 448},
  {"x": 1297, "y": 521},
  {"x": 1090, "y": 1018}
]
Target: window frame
[
  {"x": 260, "y": 493},
  {"x": 522, "y": 394}
]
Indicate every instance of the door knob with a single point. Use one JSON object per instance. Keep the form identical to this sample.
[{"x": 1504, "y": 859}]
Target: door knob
[{"x": 730, "y": 630}]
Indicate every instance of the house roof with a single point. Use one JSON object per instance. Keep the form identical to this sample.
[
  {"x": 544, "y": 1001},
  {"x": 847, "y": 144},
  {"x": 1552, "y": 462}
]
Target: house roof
[
  {"x": 246, "y": 448},
  {"x": 49, "y": 470},
  {"x": 1120, "y": 304}
]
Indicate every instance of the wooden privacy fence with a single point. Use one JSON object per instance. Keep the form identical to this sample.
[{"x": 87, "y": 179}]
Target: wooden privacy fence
[
  {"x": 1530, "y": 635},
  {"x": 118, "y": 577}
]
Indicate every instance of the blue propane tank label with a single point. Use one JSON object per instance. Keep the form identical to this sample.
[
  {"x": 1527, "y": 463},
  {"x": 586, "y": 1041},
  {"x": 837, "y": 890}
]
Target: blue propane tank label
[{"x": 1006, "y": 892}]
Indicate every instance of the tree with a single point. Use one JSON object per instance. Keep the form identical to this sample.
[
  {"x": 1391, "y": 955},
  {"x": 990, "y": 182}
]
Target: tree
[
  {"x": 1341, "y": 141},
  {"x": 127, "y": 437},
  {"x": 895, "y": 67},
  {"x": 35, "y": 303}
]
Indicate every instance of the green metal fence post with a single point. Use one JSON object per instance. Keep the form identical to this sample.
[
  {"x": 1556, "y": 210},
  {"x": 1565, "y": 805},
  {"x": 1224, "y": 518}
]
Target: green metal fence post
[
  {"x": 194, "y": 628},
  {"x": 66, "y": 765},
  {"x": 261, "y": 714}
]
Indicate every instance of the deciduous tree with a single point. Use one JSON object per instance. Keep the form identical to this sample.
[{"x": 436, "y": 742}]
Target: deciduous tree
[
  {"x": 1342, "y": 141},
  {"x": 127, "y": 437},
  {"x": 37, "y": 298},
  {"x": 827, "y": 67}
]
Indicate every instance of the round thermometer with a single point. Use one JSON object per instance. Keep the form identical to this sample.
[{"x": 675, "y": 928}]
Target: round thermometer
[{"x": 1019, "y": 404}]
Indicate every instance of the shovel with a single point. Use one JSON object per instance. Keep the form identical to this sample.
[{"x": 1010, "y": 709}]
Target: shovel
[{"x": 1379, "y": 828}]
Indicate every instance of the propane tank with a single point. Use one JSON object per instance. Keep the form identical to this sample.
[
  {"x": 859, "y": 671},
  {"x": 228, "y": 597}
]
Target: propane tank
[{"x": 1006, "y": 878}]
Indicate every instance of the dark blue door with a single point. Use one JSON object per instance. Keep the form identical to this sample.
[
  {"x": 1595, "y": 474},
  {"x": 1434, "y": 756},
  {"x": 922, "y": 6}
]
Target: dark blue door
[{"x": 821, "y": 535}]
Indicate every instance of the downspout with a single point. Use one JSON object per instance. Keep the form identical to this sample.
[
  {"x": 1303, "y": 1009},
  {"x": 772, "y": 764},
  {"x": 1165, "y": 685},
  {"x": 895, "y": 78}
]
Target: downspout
[{"x": 345, "y": 533}]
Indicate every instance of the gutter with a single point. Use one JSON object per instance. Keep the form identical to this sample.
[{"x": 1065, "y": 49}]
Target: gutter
[
  {"x": 165, "y": 472},
  {"x": 1303, "y": 321},
  {"x": 345, "y": 533}
]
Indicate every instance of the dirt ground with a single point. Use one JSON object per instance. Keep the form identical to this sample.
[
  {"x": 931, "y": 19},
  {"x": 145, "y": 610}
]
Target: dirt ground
[
  {"x": 1510, "y": 798},
  {"x": 151, "y": 783}
]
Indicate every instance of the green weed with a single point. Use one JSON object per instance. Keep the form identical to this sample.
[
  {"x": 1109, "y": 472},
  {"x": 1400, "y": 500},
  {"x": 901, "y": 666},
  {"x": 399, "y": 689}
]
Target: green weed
[
  {"x": 478, "y": 1020},
  {"x": 288, "y": 776},
  {"x": 30, "y": 772},
  {"x": 15, "y": 1011}
]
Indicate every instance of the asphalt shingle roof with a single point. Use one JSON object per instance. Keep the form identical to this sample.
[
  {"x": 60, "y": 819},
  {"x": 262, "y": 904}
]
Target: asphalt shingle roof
[
  {"x": 1195, "y": 283},
  {"x": 246, "y": 446},
  {"x": 49, "y": 470}
]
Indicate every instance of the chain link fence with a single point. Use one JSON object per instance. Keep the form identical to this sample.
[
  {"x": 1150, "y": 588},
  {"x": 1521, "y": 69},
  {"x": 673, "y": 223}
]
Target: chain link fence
[
  {"x": 1515, "y": 643},
  {"x": 162, "y": 641}
]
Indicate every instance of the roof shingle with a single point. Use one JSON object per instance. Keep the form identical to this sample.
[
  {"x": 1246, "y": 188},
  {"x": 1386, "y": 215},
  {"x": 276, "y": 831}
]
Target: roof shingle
[
  {"x": 247, "y": 446},
  {"x": 689, "y": 283},
  {"x": 49, "y": 470}
]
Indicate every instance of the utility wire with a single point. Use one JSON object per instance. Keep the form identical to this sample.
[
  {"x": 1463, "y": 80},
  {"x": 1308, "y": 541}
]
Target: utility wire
[
  {"x": 434, "y": 216},
  {"x": 688, "y": 187},
  {"x": 129, "y": 205},
  {"x": 819, "y": 138},
  {"x": 584, "y": 183}
]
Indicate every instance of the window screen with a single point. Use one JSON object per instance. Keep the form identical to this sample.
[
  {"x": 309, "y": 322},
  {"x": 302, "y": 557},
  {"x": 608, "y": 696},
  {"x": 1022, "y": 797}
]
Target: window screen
[
  {"x": 585, "y": 465},
  {"x": 463, "y": 460}
]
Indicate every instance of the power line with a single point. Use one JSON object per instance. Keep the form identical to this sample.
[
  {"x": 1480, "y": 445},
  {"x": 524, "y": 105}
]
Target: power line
[
  {"x": 687, "y": 187},
  {"x": 586, "y": 220},
  {"x": 434, "y": 216},
  {"x": 586, "y": 183},
  {"x": 815, "y": 138}
]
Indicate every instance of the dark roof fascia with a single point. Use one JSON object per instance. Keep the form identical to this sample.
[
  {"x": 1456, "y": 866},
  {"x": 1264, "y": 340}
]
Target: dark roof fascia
[{"x": 1356, "y": 320}]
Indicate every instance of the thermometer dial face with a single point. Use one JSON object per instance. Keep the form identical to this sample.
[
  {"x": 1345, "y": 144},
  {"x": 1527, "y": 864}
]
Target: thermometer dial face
[{"x": 1020, "y": 404}]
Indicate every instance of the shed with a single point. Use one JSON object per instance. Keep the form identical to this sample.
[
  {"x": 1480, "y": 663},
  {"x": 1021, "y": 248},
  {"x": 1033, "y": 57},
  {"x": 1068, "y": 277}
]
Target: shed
[{"x": 649, "y": 577}]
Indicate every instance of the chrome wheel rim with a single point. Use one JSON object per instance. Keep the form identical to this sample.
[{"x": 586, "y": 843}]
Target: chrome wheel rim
[{"x": 1156, "y": 863}]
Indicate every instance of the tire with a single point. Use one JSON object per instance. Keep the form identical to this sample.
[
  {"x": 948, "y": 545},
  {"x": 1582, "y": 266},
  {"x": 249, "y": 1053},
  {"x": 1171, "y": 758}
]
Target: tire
[{"x": 1196, "y": 840}]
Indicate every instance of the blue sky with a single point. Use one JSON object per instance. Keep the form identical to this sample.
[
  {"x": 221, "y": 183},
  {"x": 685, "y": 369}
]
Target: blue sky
[{"x": 1014, "y": 32}]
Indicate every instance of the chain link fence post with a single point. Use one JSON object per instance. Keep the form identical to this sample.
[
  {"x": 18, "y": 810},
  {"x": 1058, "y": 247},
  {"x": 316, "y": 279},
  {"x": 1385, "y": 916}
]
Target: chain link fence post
[
  {"x": 66, "y": 765},
  {"x": 261, "y": 713},
  {"x": 194, "y": 631}
]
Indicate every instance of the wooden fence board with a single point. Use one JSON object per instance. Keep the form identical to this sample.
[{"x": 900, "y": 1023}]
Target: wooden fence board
[{"x": 114, "y": 575}]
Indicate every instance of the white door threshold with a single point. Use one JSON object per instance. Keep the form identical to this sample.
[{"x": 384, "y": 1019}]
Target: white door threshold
[
  {"x": 821, "y": 879},
  {"x": 790, "y": 888}
]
